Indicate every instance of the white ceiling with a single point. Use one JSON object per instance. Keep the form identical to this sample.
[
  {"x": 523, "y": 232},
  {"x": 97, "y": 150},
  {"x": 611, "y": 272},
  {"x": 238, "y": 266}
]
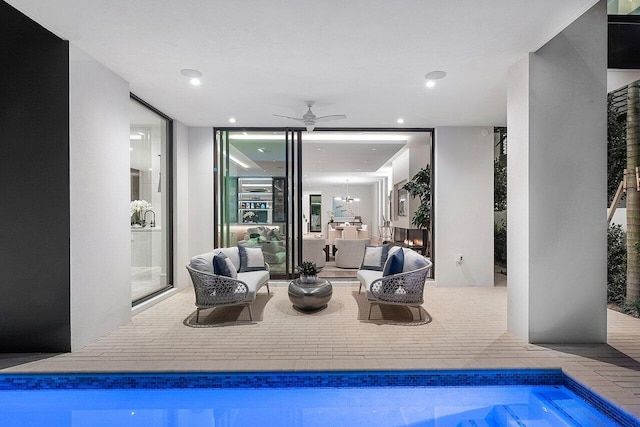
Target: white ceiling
[
  {"x": 328, "y": 158},
  {"x": 363, "y": 58}
]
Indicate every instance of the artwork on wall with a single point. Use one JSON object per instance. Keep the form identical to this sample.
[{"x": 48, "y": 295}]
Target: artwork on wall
[
  {"x": 344, "y": 209},
  {"x": 403, "y": 202}
]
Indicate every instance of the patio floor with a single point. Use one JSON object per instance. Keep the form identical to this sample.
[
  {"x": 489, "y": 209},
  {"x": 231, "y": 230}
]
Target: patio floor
[{"x": 467, "y": 330}]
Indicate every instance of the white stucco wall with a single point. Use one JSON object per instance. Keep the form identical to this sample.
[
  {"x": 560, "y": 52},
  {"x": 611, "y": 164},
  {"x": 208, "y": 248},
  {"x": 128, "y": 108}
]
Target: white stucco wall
[
  {"x": 518, "y": 199},
  {"x": 564, "y": 255},
  {"x": 99, "y": 199},
  {"x": 200, "y": 183},
  {"x": 464, "y": 206}
]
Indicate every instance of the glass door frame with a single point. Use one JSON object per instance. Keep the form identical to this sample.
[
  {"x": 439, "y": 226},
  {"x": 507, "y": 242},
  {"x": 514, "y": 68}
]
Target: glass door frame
[
  {"x": 292, "y": 193},
  {"x": 294, "y": 140},
  {"x": 169, "y": 201}
]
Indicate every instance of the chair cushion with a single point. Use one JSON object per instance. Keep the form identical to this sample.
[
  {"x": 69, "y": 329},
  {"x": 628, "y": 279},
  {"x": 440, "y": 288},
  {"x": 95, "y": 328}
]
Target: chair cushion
[
  {"x": 374, "y": 257},
  {"x": 394, "y": 264},
  {"x": 223, "y": 266},
  {"x": 231, "y": 253},
  {"x": 273, "y": 234},
  {"x": 413, "y": 261},
  {"x": 203, "y": 262},
  {"x": 251, "y": 259},
  {"x": 254, "y": 281}
]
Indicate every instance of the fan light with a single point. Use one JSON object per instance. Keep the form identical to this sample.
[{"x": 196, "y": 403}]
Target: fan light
[{"x": 348, "y": 198}]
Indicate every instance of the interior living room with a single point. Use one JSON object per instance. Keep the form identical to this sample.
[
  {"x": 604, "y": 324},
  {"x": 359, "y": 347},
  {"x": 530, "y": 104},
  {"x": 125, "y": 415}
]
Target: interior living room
[
  {"x": 349, "y": 178},
  {"x": 121, "y": 125}
]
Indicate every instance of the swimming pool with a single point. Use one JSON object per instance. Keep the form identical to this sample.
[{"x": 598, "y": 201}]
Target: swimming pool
[{"x": 389, "y": 398}]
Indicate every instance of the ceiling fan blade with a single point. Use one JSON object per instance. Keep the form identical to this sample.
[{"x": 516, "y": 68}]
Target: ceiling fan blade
[
  {"x": 331, "y": 117},
  {"x": 289, "y": 117}
]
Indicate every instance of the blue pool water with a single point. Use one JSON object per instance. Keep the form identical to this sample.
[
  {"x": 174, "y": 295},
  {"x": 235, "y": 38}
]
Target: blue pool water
[{"x": 469, "y": 398}]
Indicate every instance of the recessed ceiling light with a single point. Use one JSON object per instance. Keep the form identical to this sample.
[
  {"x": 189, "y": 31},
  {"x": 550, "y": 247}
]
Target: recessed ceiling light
[
  {"x": 373, "y": 149},
  {"x": 435, "y": 75},
  {"x": 232, "y": 120},
  {"x": 432, "y": 76},
  {"x": 130, "y": 148},
  {"x": 135, "y": 136},
  {"x": 400, "y": 121},
  {"x": 191, "y": 73}
]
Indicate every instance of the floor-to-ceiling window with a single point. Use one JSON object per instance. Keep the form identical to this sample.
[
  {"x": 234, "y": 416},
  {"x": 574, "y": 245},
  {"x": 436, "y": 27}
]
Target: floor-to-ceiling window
[
  {"x": 255, "y": 187},
  {"x": 326, "y": 178},
  {"x": 150, "y": 135}
]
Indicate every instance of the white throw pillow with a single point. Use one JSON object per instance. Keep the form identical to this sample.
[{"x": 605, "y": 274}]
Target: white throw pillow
[{"x": 251, "y": 259}]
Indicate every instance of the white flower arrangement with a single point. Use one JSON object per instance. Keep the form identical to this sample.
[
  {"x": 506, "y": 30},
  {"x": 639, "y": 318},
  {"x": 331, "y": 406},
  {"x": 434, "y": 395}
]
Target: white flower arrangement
[
  {"x": 248, "y": 215},
  {"x": 139, "y": 206}
]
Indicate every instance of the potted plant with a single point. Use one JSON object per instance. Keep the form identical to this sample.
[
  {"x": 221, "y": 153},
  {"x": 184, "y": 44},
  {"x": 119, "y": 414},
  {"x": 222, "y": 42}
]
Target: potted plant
[
  {"x": 420, "y": 186},
  {"x": 308, "y": 272}
]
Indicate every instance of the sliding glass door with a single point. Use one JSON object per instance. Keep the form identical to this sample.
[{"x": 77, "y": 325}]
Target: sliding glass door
[
  {"x": 256, "y": 194},
  {"x": 151, "y": 271}
]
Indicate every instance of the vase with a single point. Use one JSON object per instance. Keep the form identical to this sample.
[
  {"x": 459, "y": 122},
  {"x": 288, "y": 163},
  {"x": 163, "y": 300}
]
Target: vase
[
  {"x": 308, "y": 279},
  {"x": 136, "y": 218}
]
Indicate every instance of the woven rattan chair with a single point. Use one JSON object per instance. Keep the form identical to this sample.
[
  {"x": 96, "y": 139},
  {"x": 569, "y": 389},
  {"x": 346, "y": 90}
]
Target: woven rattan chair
[
  {"x": 400, "y": 289},
  {"x": 217, "y": 291}
]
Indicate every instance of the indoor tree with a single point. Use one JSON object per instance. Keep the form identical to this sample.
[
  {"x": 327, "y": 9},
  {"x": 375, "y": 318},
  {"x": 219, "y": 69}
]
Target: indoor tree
[{"x": 420, "y": 186}]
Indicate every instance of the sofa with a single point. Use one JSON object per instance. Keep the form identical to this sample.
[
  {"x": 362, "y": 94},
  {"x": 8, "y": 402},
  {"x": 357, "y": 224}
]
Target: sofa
[
  {"x": 399, "y": 284},
  {"x": 271, "y": 242},
  {"x": 313, "y": 250},
  {"x": 349, "y": 252},
  {"x": 213, "y": 289}
]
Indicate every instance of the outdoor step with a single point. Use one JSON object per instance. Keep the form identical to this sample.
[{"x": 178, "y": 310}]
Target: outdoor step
[
  {"x": 560, "y": 408},
  {"x": 516, "y": 416},
  {"x": 475, "y": 423}
]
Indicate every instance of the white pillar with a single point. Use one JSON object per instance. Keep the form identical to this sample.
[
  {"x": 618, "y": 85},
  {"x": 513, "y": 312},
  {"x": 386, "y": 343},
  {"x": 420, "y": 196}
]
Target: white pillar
[
  {"x": 557, "y": 175},
  {"x": 463, "y": 206}
]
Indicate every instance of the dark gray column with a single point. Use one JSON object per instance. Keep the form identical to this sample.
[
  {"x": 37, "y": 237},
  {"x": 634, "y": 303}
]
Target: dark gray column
[{"x": 34, "y": 187}]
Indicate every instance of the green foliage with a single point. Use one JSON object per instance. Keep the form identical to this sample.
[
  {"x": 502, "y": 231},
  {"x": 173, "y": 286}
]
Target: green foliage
[
  {"x": 500, "y": 243},
  {"x": 499, "y": 185},
  {"x": 616, "y": 265},
  {"x": 632, "y": 308},
  {"x": 420, "y": 186},
  {"x": 308, "y": 268},
  {"x": 616, "y": 148}
]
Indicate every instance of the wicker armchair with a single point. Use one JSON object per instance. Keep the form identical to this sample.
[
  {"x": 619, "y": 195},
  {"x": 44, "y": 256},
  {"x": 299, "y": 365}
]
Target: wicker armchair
[
  {"x": 400, "y": 289},
  {"x": 216, "y": 291}
]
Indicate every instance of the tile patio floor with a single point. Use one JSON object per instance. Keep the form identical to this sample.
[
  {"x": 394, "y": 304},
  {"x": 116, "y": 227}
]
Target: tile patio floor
[{"x": 467, "y": 330}]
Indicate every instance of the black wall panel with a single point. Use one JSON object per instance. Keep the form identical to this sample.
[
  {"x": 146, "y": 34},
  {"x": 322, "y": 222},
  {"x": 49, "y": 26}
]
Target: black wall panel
[
  {"x": 624, "y": 42},
  {"x": 34, "y": 187}
]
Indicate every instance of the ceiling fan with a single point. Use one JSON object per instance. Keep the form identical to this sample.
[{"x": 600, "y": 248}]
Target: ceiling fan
[{"x": 309, "y": 119}]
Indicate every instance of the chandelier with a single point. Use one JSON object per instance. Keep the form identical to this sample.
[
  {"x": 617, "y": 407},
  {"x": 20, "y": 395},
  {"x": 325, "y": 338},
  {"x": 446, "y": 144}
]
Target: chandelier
[{"x": 348, "y": 198}]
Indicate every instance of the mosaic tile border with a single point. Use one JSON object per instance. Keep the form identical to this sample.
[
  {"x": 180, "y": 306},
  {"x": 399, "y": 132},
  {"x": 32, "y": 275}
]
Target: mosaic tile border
[
  {"x": 337, "y": 379},
  {"x": 320, "y": 379},
  {"x": 611, "y": 410}
]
